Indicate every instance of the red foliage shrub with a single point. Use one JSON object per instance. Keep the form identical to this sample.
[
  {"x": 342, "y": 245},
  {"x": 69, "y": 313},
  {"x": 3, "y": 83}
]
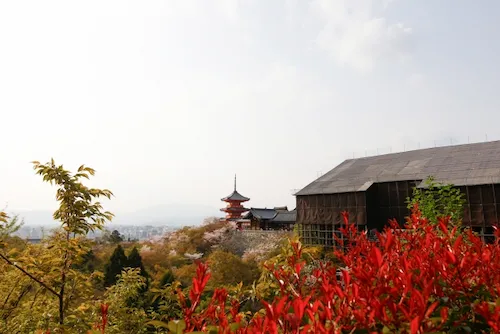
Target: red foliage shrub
[
  {"x": 101, "y": 326},
  {"x": 424, "y": 278}
]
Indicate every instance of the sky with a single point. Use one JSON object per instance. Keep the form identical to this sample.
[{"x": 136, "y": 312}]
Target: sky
[{"x": 167, "y": 100}]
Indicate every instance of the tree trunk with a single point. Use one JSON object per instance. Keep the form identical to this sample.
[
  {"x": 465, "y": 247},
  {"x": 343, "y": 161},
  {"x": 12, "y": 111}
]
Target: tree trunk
[
  {"x": 63, "y": 283},
  {"x": 61, "y": 307}
]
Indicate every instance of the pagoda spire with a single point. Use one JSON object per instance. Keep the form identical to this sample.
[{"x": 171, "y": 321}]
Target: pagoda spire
[{"x": 234, "y": 182}]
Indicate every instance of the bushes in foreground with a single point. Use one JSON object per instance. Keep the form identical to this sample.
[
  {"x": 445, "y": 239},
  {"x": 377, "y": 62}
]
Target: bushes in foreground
[{"x": 425, "y": 278}]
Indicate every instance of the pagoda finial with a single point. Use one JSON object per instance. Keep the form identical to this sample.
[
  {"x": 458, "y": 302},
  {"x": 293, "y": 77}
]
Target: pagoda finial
[{"x": 234, "y": 182}]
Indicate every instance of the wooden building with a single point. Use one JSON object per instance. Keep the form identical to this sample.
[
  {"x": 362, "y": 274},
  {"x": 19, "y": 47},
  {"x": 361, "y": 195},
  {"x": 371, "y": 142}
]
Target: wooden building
[
  {"x": 279, "y": 218},
  {"x": 375, "y": 189}
]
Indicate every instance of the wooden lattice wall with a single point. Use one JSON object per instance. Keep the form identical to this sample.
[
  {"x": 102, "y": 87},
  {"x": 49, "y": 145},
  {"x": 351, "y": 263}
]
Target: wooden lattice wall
[{"x": 319, "y": 216}]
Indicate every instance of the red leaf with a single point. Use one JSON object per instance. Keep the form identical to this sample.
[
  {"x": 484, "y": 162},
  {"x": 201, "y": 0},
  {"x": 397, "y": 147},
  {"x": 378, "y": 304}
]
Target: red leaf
[
  {"x": 451, "y": 257},
  {"x": 389, "y": 241},
  {"x": 298, "y": 268},
  {"x": 415, "y": 325},
  {"x": 269, "y": 310},
  {"x": 345, "y": 216},
  {"x": 431, "y": 309},
  {"x": 486, "y": 256},
  {"x": 458, "y": 242},
  {"x": 279, "y": 307},
  {"x": 417, "y": 297},
  {"x": 444, "y": 314},
  {"x": 347, "y": 277},
  {"x": 299, "y": 306},
  {"x": 443, "y": 227},
  {"x": 376, "y": 256}
]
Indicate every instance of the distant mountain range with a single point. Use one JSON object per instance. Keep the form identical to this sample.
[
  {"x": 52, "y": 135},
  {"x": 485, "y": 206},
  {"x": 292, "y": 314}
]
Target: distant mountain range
[{"x": 174, "y": 215}]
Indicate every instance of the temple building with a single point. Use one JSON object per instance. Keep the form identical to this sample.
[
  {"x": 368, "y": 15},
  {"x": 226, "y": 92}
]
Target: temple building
[
  {"x": 279, "y": 218},
  {"x": 234, "y": 209},
  {"x": 375, "y": 189}
]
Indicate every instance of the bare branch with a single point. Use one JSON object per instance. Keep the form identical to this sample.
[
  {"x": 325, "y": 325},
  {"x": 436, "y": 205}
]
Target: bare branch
[
  {"x": 6, "y": 259},
  {"x": 10, "y": 293}
]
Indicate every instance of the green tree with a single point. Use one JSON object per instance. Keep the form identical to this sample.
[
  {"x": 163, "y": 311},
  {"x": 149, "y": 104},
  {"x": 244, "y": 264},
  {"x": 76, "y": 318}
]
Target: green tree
[
  {"x": 126, "y": 317},
  {"x": 88, "y": 263},
  {"x": 9, "y": 225},
  {"x": 437, "y": 200},
  {"x": 115, "y": 237},
  {"x": 79, "y": 213},
  {"x": 117, "y": 262},
  {"x": 167, "y": 279},
  {"x": 229, "y": 269},
  {"x": 135, "y": 261}
]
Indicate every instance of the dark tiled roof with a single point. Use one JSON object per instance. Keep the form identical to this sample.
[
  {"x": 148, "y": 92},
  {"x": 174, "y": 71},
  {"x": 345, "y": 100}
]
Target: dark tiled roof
[
  {"x": 470, "y": 164},
  {"x": 236, "y": 196},
  {"x": 285, "y": 217},
  {"x": 264, "y": 214},
  {"x": 272, "y": 215}
]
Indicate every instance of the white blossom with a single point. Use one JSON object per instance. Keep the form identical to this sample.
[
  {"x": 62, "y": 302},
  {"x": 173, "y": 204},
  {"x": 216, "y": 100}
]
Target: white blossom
[
  {"x": 193, "y": 256},
  {"x": 173, "y": 239},
  {"x": 219, "y": 235},
  {"x": 145, "y": 249},
  {"x": 262, "y": 244}
]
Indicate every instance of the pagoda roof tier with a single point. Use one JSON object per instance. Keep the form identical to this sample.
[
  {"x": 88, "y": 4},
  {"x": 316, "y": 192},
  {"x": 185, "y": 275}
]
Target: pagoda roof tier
[
  {"x": 234, "y": 209},
  {"x": 235, "y": 196}
]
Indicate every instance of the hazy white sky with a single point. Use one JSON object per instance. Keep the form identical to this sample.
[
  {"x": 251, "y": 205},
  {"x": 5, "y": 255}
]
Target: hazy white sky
[{"x": 168, "y": 99}]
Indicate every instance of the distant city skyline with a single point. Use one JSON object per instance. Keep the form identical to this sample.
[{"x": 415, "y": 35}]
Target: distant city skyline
[
  {"x": 132, "y": 232},
  {"x": 180, "y": 215},
  {"x": 168, "y": 99}
]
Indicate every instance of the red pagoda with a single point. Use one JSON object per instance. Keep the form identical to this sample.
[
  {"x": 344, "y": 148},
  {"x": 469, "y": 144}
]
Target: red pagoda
[{"x": 234, "y": 209}]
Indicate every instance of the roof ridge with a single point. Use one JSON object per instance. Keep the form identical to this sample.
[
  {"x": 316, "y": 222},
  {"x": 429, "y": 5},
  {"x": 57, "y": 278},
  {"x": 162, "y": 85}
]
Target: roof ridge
[
  {"x": 425, "y": 149},
  {"x": 465, "y": 164}
]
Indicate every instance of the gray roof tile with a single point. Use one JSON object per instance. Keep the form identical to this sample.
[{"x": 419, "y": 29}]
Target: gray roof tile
[
  {"x": 272, "y": 215},
  {"x": 470, "y": 164},
  {"x": 236, "y": 196},
  {"x": 285, "y": 217},
  {"x": 261, "y": 213}
]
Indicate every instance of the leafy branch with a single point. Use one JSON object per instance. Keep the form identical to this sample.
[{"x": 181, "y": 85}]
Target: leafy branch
[{"x": 79, "y": 213}]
